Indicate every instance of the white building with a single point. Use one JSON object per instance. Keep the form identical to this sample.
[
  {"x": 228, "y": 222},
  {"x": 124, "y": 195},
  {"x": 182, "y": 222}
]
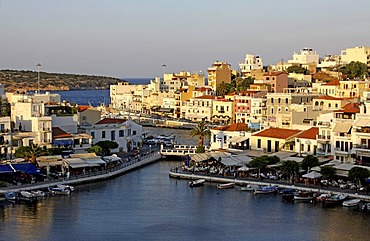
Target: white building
[
  {"x": 251, "y": 62},
  {"x": 234, "y": 136},
  {"x": 306, "y": 56},
  {"x": 126, "y": 133}
]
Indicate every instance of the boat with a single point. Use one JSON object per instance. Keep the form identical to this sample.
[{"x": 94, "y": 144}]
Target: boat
[
  {"x": 197, "y": 183},
  {"x": 322, "y": 197},
  {"x": 67, "y": 187},
  {"x": 288, "y": 193},
  {"x": 247, "y": 188},
  {"x": 39, "y": 193},
  {"x": 265, "y": 189},
  {"x": 226, "y": 185},
  {"x": 304, "y": 196},
  {"x": 351, "y": 202},
  {"x": 10, "y": 196},
  {"x": 365, "y": 207},
  {"x": 26, "y": 194},
  {"x": 337, "y": 199},
  {"x": 59, "y": 191}
]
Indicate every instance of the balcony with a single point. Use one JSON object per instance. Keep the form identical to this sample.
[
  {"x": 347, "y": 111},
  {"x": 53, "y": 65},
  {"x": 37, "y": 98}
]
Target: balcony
[
  {"x": 362, "y": 146},
  {"x": 342, "y": 150},
  {"x": 323, "y": 138}
]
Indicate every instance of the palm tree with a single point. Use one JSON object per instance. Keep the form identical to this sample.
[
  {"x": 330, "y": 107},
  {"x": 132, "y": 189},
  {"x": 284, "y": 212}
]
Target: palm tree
[
  {"x": 290, "y": 168},
  {"x": 35, "y": 151},
  {"x": 201, "y": 131}
]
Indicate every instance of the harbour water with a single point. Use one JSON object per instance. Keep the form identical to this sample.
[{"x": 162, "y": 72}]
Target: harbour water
[{"x": 148, "y": 205}]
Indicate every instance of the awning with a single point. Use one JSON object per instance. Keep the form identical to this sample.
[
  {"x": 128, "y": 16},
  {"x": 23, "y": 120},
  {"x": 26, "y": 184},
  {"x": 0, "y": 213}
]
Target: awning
[
  {"x": 342, "y": 127},
  {"x": 362, "y": 123},
  {"x": 94, "y": 161},
  {"x": 68, "y": 142},
  {"x": 6, "y": 169},
  {"x": 312, "y": 175},
  {"x": 27, "y": 168},
  {"x": 51, "y": 163},
  {"x": 238, "y": 139},
  {"x": 229, "y": 161},
  {"x": 112, "y": 158},
  {"x": 76, "y": 163}
]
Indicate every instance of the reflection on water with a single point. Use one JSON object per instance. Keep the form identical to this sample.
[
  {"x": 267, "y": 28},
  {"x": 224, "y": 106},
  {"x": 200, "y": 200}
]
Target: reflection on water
[{"x": 148, "y": 205}]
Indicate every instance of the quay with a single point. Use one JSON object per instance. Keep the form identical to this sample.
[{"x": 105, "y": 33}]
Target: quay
[
  {"x": 174, "y": 174},
  {"x": 89, "y": 178}
]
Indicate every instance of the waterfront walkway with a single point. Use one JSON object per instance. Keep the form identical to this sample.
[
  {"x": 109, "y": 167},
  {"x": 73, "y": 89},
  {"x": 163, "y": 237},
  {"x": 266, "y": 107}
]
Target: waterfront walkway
[
  {"x": 89, "y": 177},
  {"x": 177, "y": 173}
]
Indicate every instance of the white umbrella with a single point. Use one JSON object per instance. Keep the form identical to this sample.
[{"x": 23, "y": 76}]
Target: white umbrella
[
  {"x": 243, "y": 169},
  {"x": 312, "y": 175}
]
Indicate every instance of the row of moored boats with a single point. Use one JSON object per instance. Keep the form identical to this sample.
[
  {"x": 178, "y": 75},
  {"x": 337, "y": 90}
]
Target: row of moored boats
[{"x": 325, "y": 199}]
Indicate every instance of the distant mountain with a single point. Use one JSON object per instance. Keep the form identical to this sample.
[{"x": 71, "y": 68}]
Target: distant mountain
[{"x": 25, "y": 80}]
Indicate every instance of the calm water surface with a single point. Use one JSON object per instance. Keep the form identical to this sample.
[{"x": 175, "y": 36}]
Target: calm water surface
[{"x": 148, "y": 205}]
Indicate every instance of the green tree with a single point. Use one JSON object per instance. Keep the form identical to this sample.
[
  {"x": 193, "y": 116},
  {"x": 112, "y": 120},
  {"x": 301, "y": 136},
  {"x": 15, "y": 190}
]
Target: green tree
[
  {"x": 309, "y": 162},
  {"x": 95, "y": 149},
  {"x": 54, "y": 151},
  {"x": 244, "y": 83},
  {"x": 297, "y": 69},
  {"x": 260, "y": 163},
  {"x": 29, "y": 153},
  {"x": 223, "y": 89},
  {"x": 355, "y": 69},
  {"x": 328, "y": 172},
  {"x": 22, "y": 152},
  {"x": 107, "y": 146},
  {"x": 202, "y": 132},
  {"x": 358, "y": 173},
  {"x": 290, "y": 168}
]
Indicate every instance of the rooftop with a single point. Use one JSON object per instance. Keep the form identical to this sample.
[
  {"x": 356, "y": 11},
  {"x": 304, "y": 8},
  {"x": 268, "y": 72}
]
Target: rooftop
[
  {"x": 233, "y": 127},
  {"x": 278, "y": 133}
]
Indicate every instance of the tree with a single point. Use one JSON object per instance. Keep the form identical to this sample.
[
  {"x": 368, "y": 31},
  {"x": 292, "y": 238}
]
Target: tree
[
  {"x": 106, "y": 146},
  {"x": 260, "y": 163},
  {"x": 29, "y": 153},
  {"x": 95, "y": 149},
  {"x": 290, "y": 168},
  {"x": 358, "y": 173},
  {"x": 223, "y": 88},
  {"x": 22, "y": 152},
  {"x": 54, "y": 151},
  {"x": 309, "y": 162},
  {"x": 328, "y": 172},
  {"x": 201, "y": 131},
  {"x": 355, "y": 69},
  {"x": 244, "y": 83},
  {"x": 297, "y": 69}
]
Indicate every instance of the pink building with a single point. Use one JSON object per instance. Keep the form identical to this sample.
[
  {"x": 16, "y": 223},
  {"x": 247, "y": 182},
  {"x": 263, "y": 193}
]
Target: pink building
[{"x": 278, "y": 80}]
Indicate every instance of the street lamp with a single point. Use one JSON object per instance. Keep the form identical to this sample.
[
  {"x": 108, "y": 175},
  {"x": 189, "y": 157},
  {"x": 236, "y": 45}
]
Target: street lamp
[{"x": 38, "y": 77}]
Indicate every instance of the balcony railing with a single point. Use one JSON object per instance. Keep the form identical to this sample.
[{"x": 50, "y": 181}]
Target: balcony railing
[
  {"x": 323, "y": 137},
  {"x": 342, "y": 150},
  {"x": 362, "y": 146}
]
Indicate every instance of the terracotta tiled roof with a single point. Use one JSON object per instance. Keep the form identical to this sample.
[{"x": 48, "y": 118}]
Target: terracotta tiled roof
[
  {"x": 350, "y": 108},
  {"x": 203, "y": 88},
  {"x": 110, "y": 121},
  {"x": 59, "y": 133},
  {"x": 206, "y": 97},
  {"x": 309, "y": 134},
  {"x": 233, "y": 127},
  {"x": 82, "y": 108},
  {"x": 274, "y": 73},
  {"x": 333, "y": 82},
  {"x": 278, "y": 133}
]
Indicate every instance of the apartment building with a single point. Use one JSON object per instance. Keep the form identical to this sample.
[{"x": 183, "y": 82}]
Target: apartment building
[
  {"x": 359, "y": 53},
  {"x": 218, "y": 73},
  {"x": 251, "y": 62}
]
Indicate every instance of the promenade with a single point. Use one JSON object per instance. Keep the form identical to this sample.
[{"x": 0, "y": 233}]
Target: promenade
[
  {"x": 89, "y": 177},
  {"x": 177, "y": 173}
]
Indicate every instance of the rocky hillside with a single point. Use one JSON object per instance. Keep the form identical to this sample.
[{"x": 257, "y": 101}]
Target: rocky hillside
[{"x": 27, "y": 80}]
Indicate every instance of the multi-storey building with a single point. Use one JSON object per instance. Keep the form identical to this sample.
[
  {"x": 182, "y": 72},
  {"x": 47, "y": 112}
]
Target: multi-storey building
[
  {"x": 277, "y": 80},
  {"x": 223, "y": 111},
  {"x": 324, "y": 138},
  {"x": 243, "y": 106},
  {"x": 218, "y": 73},
  {"x": 360, "y": 54},
  {"x": 352, "y": 88},
  {"x": 305, "y": 56},
  {"x": 235, "y": 135},
  {"x": 330, "y": 88},
  {"x": 329, "y": 103},
  {"x": 199, "y": 108},
  {"x": 174, "y": 82},
  {"x": 306, "y": 142},
  {"x": 251, "y": 62}
]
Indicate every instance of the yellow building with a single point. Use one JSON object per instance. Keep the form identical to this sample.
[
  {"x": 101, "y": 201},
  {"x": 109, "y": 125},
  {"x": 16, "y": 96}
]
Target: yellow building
[
  {"x": 351, "y": 88},
  {"x": 360, "y": 53},
  {"x": 222, "y": 111},
  {"x": 218, "y": 73},
  {"x": 329, "y": 88}
]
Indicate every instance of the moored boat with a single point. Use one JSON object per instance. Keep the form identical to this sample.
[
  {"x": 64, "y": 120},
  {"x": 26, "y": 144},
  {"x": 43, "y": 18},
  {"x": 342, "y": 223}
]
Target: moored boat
[
  {"x": 59, "y": 191},
  {"x": 39, "y": 193},
  {"x": 196, "y": 183},
  {"x": 365, "y": 207},
  {"x": 337, "y": 199},
  {"x": 226, "y": 185},
  {"x": 351, "y": 202},
  {"x": 322, "y": 197},
  {"x": 26, "y": 194},
  {"x": 10, "y": 196},
  {"x": 67, "y": 187},
  {"x": 265, "y": 189},
  {"x": 247, "y": 188},
  {"x": 305, "y": 196},
  {"x": 288, "y": 193}
]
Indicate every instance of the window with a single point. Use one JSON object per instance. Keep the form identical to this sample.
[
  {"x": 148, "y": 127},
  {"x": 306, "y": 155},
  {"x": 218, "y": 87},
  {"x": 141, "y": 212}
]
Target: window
[
  {"x": 121, "y": 133},
  {"x": 103, "y": 134},
  {"x": 2, "y": 127},
  {"x": 133, "y": 133},
  {"x": 259, "y": 143},
  {"x": 113, "y": 135},
  {"x": 93, "y": 134},
  {"x": 128, "y": 132}
]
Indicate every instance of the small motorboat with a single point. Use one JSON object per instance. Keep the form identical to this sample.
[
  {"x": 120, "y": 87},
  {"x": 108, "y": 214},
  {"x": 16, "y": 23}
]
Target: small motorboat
[
  {"x": 322, "y": 197},
  {"x": 265, "y": 189},
  {"x": 334, "y": 200},
  {"x": 197, "y": 183},
  {"x": 26, "y": 194},
  {"x": 59, "y": 191},
  {"x": 304, "y": 196},
  {"x": 288, "y": 193},
  {"x": 12, "y": 196},
  {"x": 39, "y": 193},
  {"x": 226, "y": 185},
  {"x": 247, "y": 188},
  {"x": 365, "y": 207},
  {"x": 351, "y": 202},
  {"x": 67, "y": 187}
]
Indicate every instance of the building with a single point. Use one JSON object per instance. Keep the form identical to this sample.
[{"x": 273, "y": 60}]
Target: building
[
  {"x": 218, "y": 73},
  {"x": 277, "y": 80},
  {"x": 87, "y": 115},
  {"x": 305, "y": 56},
  {"x": 199, "y": 108},
  {"x": 251, "y": 62},
  {"x": 223, "y": 111},
  {"x": 306, "y": 143},
  {"x": 233, "y": 136},
  {"x": 360, "y": 54},
  {"x": 126, "y": 133},
  {"x": 330, "y": 88}
]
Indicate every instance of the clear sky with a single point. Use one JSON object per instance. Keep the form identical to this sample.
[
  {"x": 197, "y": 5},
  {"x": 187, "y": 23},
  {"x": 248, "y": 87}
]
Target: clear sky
[{"x": 133, "y": 38}]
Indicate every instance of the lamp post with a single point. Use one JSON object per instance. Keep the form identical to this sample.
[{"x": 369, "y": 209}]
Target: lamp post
[{"x": 38, "y": 77}]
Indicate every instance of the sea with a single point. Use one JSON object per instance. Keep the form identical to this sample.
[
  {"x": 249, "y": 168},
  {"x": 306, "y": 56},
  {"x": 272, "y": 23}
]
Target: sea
[{"x": 147, "y": 205}]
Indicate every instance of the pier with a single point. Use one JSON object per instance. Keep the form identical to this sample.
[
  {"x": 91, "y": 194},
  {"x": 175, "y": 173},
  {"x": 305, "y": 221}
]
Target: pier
[{"x": 178, "y": 150}]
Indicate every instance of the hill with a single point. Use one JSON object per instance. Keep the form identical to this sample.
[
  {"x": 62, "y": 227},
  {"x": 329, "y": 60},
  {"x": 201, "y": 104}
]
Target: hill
[{"x": 25, "y": 80}]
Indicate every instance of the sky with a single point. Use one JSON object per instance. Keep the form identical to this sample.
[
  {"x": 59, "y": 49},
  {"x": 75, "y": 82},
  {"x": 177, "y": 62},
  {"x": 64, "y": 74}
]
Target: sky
[{"x": 134, "y": 38}]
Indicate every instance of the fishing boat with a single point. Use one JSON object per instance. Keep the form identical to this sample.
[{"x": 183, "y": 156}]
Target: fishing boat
[
  {"x": 226, "y": 185},
  {"x": 265, "y": 189},
  {"x": 196, "y": 183},
  {"x": 337, "y": 199},
  {"x": 288, "y": 193},
  {"x": 351, "y": 202},
  {"x": 305, "y": 196},
  {"x": 39, "y": 193},
  {"x": 26, "y": 194},
  {"x": 59, "y": 191},
  {"x": 247, "y": 188},
  {"x": 322, "y": 197},
  {"x": 12, "y": 196},
  {"x": 67, "y": 187}
]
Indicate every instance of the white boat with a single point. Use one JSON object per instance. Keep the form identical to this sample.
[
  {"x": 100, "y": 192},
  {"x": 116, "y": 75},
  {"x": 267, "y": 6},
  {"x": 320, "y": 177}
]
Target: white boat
[
  {"x": 10, "y": 195},
  {"x": 38, "y": 193},
  {"x": 226, "y": 185},
  {"x": 26, "y": 194},
  {"x": 265, "y": 189},
  {"x": 67, "y": 187},
  {"x": 305, "y": 196},
  {"x": 351, "y": 202},
  {"x": 59, "y": 191},
  {"x": 365, "y": 207},
  {"x": 196, "y": 183},
  {"x": 247, "y": 188}
]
